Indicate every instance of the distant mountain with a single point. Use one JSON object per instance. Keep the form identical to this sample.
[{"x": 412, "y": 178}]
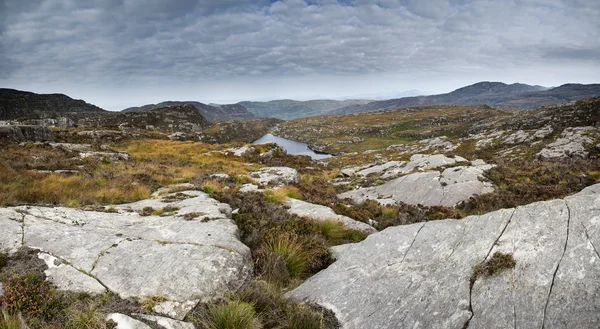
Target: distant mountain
[
  {"x": 17, "y": 104},
  {"x": 183, "y": 117},
  {"x": 491, "y": 93},
  {"x": 210, "y": 112},
  {"x": 289, "y": 109}
]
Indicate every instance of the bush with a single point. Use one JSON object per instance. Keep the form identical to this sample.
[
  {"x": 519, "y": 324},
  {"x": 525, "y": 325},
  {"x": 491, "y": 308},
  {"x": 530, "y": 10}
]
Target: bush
[
  {"x": 233, "y": 315},
  {"x": 30, "y": 295}
]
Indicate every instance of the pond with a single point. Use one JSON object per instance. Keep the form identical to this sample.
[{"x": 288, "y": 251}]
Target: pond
[{"x": 292, "y": 147}]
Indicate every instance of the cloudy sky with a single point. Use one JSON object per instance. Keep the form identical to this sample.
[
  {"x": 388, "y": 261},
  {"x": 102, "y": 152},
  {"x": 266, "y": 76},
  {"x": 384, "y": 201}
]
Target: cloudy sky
[{"x": 120, "y": 53}]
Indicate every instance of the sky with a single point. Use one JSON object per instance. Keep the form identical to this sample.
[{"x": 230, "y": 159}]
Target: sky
[{"x": 121, "y": 53}]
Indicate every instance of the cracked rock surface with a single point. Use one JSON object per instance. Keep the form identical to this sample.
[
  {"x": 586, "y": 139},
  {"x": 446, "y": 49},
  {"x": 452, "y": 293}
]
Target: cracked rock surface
[
  {"x": 447, "y": 187},
  {"x": 322, "y": 213},
  {"x": 184, "y": 259},
  {"x": 418, "y": 276}
]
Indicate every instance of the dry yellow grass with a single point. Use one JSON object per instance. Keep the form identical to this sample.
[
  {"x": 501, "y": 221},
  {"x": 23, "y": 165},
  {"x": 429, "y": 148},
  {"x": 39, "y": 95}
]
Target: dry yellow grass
[{"x": 155, "y": 163}]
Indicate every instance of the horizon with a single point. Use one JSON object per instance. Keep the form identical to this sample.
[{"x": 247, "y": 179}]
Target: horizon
[
  {"x": 128, "y": 53},
  {"x": 290, "y": 99}
]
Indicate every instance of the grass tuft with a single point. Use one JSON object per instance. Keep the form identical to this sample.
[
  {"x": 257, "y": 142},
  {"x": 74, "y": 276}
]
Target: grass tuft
[{"x": 235, "y": 314}]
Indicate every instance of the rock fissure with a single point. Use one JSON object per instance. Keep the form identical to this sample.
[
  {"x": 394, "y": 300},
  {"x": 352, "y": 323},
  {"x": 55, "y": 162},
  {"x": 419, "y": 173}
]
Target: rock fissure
[
  {"x": 587, "y": 236},
  {"x": 557, "y": 265},
  {"x": 411, "y": 244},
  {"x": 473, "y": 278},
  {"x": 80, "y": 270}
]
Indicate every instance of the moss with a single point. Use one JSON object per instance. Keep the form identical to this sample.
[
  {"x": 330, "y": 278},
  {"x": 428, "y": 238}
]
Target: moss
[{"x": 499, "y": 262}]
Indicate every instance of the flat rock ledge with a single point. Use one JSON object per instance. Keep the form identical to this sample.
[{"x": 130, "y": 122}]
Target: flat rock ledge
[
  {"x": 418, "y": 276},
  {"x": 447, "y": 187},
  {"x": 322, "y": 213},
  {"x": 192, "y": 254}
]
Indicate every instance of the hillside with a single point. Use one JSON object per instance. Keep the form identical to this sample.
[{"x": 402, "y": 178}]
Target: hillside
[
  {"x": 211, "y": 113},
  {"x": 495, "y": 94},
  {"x": 176, "y": 118},
  {"x": 287, "y": 109},
  {"x": 452, "y": 199},
  {"x": 17, "y": 104}
]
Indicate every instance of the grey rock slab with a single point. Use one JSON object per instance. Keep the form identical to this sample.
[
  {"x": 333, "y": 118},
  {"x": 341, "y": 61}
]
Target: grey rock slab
[
  {"x": 11, "y": 228},
  {"x": 166, "y": 323},
  {"x": 418, "y": 276},
  {"x": 196, "y": 201},
  {"x": 246, "y": 188},
  {"x": 126, "y": 322},
  {"x": 179, "y": 272},
  {"x": 322, "y": 213},
  {"x": 573, "y": 301},
  {"x": 430, "y": 188},
  {"x": 413, "y": 276},
  {"x": 517, "y": 297},
  {"x": 79, "y": 245},
  {"x": 176, "y": 310},
  {"x": 378, "y": 169},
  {"x": 273, "y": 176},
  {"x": 66, "y": 277},
  {"x": 571, "y": 144}
]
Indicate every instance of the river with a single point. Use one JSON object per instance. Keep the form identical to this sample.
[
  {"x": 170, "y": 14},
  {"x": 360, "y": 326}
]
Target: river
[{"x": 292, "y": 147}]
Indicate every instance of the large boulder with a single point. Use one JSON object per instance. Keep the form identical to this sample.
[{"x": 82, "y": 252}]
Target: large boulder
[
  {"x": 274, "y": 176},
  {"x": 421, "y": 275},
  {"x": 191, "y": 253}
]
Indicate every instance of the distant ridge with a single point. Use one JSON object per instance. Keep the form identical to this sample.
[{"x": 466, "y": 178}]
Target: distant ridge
[
  {"x": 496, "y": 94},
  {"x": 287, "y": 109},
  {"x": 17, "y": 104},
  {"x": 210, "y": 112}
]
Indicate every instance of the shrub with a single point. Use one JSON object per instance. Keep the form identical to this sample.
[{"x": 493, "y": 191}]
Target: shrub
[
  {"x": 235, "y": 314},
  {"x": 31, "y": 295},
  {"x": 3, "y": 260}
]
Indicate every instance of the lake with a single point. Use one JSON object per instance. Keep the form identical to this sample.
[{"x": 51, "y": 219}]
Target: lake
[{"x": 292, "y": 147}]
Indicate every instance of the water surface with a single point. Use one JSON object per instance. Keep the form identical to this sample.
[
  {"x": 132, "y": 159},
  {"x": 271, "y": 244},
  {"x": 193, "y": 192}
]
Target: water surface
[{"x": 292, "y": 147}]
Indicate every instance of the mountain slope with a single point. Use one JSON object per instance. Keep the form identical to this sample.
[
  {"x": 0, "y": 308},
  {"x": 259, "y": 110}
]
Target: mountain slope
[
  {"x": 16, "y": 104},
  {"x": 211, "y": 113},
  {"x": 289, "y": 109},
  {"x": 490, "y": 93}
]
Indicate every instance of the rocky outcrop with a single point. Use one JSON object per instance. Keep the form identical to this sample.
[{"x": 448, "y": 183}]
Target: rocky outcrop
[
  {"x": 571, "y": 144},
  {"x": 181, "y": 246},
  {"x": 274, "y": 176},
  {"x": 421, "y": 275},
  {"x": 177, "y": 118},
  {"x": 322, "y": 213},
  {"x": 447, "y": 187},
  {"x": 210, "y": 112},
  {"x": 18, "y": 134}
]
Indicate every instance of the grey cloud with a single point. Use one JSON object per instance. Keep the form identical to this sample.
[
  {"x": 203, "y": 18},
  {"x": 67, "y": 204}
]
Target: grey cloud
[{"x": 135, "y": 42}]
